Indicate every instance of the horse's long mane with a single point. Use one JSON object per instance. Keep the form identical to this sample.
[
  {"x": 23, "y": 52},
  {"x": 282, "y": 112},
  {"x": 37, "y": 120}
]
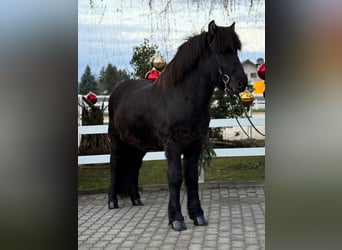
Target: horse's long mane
[{"x": 189, "y": 53}]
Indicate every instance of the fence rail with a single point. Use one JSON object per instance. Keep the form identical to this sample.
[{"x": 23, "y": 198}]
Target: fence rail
[
  {"x": 258, "y": 103},
  {"x": 160, "y": 155}
]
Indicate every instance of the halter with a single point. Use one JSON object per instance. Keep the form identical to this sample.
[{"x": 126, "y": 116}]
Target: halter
[{"x": 226, "y": 79}]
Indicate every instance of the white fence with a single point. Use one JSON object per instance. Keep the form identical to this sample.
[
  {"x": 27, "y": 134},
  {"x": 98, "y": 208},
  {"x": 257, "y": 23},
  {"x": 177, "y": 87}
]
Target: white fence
[
  {"x": 258, "y": 103},
  {"x": 101, "y": 99},
  {"x": 160, "y": 155}
]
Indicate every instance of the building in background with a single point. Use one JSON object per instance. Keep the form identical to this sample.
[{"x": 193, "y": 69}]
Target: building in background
[{"x": 250, "y": 69}]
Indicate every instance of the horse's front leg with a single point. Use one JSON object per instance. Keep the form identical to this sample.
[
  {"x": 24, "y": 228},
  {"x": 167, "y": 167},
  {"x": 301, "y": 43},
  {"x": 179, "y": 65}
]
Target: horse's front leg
[
  {"x": 191, "y": 181},
  {"x": 175, "y": 179}
]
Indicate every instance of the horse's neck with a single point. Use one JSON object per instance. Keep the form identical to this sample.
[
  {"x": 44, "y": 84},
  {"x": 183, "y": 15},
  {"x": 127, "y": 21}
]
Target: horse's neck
[{"x": 197, "y": 87}]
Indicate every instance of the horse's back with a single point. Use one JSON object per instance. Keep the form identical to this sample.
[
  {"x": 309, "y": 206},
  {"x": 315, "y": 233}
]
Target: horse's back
[{"x": 127, "y": 87}]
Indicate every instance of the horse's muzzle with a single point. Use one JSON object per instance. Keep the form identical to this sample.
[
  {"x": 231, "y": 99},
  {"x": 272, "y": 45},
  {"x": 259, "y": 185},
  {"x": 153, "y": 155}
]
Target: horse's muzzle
[{"x": 242, "y": 84}]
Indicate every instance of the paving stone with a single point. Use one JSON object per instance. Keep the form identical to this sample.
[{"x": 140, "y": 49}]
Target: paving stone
[
  {"x": 112, "y": 246},
  {"x": 118, "y": 240},
  {"x": 127, "y": 244},
  {"x": 252, "y": 247},
  {"x": 251, "y": 241},
  {"x": 167, "y": 247},
  {"x": 143, "y": 240},
  {"x": 101, "y": 244},
  {"x": 224, "y": 241},
  {"x": 236, "y": 218},
  {"x": 140, "y": 247},
  {"x": 210, "y": 242},
  {"x": 195, "y": 247}
]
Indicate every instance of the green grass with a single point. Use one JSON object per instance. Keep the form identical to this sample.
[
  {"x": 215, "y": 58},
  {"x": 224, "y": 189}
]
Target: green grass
[
  {"x": 154, "y": 172},
  {"x": 236, "y": 169},
  {"x": 93, "y": 178},
  {"x": 259, "y": 110}
]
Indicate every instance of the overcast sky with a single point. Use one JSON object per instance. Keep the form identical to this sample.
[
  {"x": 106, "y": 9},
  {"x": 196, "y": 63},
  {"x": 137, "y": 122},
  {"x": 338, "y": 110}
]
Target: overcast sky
[{"x": 108, "y": 31}]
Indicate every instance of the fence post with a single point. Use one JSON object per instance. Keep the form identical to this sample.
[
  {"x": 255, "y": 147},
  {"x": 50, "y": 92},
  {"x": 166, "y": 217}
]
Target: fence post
[{"x": 200, "y": 173}]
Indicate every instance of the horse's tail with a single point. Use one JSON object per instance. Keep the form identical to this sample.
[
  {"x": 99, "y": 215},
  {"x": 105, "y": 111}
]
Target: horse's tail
[
  {"x": 127, "y": 178},
  {"x": 123, "y": 174},
  {"x": 111, "y": 107},
  {"x": 111, "y": 110},
  {"x": 128, "y": 159}
]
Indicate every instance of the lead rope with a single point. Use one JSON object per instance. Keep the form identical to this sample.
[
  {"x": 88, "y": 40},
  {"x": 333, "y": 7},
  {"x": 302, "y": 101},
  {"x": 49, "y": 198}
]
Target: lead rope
[
  {"x": 225, "y": 79},
  {"x": 229, "y": 98},
  {"x": 244, "y": 131},
  {"x": 249, "y": 119}
]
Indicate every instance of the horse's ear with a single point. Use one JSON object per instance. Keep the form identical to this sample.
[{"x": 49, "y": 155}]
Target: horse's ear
[
  {"x": 233, "y": 26},
  {"x": 212, "y": 27}
]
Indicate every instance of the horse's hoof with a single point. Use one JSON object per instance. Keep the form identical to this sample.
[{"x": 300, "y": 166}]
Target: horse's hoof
[
  {"x": 137, "y": 202},
  {"x": 178, "y": 225},
  {"x": 200, "y": 221},
  {"x": 112, "y": 205}
]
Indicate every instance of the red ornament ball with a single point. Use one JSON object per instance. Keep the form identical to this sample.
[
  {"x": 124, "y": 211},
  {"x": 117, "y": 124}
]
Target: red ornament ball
[
  {"x": 152, "y": 75},
  {"x": 91, "y": 97},
  {"x": 262, "y": 71}
]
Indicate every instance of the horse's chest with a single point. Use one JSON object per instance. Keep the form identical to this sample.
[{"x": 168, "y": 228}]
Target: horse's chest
[{"x": 187, "y": 132}]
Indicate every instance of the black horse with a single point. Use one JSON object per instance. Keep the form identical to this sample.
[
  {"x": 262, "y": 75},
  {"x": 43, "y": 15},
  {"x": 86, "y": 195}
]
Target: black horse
[{"x": 172, "y": 114}]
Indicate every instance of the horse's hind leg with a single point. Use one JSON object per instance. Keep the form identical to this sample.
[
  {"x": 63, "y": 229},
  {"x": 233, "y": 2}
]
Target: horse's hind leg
[
  {"x": 191, "y": 181},
  {"x": 133, "y": 160},
  {"x": 114, "y": 163}
]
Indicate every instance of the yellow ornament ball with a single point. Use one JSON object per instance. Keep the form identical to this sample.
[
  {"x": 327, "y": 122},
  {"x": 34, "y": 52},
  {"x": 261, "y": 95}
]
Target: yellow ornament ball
[
  {"x": 247, "y": 98},
  {"x": 158, "y": 62}
]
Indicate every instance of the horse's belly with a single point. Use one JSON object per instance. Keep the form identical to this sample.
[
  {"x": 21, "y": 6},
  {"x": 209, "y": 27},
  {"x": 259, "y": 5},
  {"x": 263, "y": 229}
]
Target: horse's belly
[{"x": 142, "y": 139}]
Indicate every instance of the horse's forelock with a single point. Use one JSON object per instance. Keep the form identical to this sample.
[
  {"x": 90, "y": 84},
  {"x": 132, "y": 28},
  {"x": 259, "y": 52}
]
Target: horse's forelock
[{"x": 226, "y": 39}]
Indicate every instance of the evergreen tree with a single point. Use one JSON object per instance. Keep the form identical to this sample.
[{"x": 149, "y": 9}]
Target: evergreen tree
[
  {"x": 141, "y": 58},
  {"x": 222, "y": 108},
  {"x": 101, "y": 77},
  {"x": 109, "y": 77},
  {"x": 88, "y": 83}
]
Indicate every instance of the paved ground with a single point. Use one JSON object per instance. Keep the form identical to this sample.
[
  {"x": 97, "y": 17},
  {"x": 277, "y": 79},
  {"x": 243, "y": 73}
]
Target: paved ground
[
  {"x": 231, "y": 133},
  {"x": 235, "y": 212}
]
